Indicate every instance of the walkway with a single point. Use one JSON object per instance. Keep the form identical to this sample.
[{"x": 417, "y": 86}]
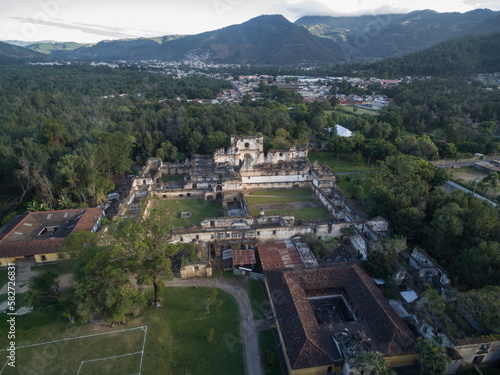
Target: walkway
[{"x": 248, "y": 329}]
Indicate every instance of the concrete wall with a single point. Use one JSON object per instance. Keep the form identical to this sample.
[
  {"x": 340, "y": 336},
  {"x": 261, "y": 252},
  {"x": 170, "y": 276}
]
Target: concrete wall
[
  {"x": 270, "y": 233},
  {"x": 54, "y": 257},
  {"x": 5, "y": 261}
]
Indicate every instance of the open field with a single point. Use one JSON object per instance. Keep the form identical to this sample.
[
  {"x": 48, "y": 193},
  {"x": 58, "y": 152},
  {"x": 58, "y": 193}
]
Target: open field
[
  {"x": 174, "y": 341},
  {"x": 342, "y": 165},
  {"x": 199, "y": 209},
  {"x": 359, "y": 111},
  {"x": 285, "y": 201},
  {"x": 466, "y": 175}
]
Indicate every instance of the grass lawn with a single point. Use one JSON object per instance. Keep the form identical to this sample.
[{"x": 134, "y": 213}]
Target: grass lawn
[
  {"x": 283, "y": 192},
  {"x": 343, "y": 165},
  {"x": 342, "y": 184},
  {"x": 199, "y": 209},
  {"x": 175, "y": 340},
  {"x": 172, "y": 178},
  {"x": 360, "y": 111},
  {"x": 467, "y": 175},
  {"x": 257, "y": 300},
  {"x": 267, "y": 344},
  {"x": 3, "y": 277},
  {"x": 287, "y": 201}
]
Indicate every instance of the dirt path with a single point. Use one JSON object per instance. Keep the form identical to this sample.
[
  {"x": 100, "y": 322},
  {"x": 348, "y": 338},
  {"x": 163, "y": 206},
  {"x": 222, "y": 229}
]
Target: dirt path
[{"x": 248, "y": 329}]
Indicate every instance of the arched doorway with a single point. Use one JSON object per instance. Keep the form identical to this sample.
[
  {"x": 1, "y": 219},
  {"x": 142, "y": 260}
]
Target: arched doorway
[{"x": 247, "y": 162}]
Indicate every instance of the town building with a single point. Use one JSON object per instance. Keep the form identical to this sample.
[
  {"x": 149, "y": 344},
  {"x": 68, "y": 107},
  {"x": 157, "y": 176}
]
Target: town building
[
  {"x": 39, "y": 235},
  {"x": 327, "y": 316}
]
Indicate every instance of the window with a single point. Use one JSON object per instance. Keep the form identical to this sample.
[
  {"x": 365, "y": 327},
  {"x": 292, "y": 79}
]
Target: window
[
  {"x": 196, "y": 268},
  {"x": 44, "y": 258},
  {"x": 48, "y": 231},
  {"x": 274, "y": 232}
]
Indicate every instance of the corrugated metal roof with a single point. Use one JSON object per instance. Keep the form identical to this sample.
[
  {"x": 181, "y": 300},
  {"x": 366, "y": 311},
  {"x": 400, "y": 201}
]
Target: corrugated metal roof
[
  {"x": 278, "y": 254},
  {"x": 243, "y": 257}
]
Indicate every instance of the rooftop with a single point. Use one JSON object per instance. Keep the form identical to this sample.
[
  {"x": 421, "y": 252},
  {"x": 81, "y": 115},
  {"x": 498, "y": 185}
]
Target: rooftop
[
  {"x": 243, "y": 257},
  {"x": 376, "y": 324},
  {"x": 43, "y": 232},
  {"x": 278, "y": 254}
]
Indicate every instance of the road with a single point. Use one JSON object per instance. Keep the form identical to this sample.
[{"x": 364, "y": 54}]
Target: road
[
  {"x": 248, "y": 328},
  {"x": 459, "y": 162}
]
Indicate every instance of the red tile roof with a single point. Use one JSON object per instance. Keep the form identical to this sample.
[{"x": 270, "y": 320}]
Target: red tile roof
[
  {"x": 300, "y": 330},
  {"x": 23, "y": 236},
  {"x": 243, "y": 257},
  {"x": 277, "y": 255}
]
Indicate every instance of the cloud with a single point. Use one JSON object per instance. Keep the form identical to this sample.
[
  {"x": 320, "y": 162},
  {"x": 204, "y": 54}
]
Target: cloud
[{"x": 106, "y": 31}]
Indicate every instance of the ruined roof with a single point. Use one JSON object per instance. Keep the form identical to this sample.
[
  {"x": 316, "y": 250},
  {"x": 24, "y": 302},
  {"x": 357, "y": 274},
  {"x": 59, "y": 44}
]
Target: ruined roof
[
  {"x": 243, "y": 257},
  {"x": 43, "y": 232},
  {"x": 300, "y": 330},
  {"x": 278, "y": 254}
]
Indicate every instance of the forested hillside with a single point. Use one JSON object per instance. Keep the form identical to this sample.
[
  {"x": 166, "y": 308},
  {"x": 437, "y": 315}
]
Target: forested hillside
[
  {"x": 391, "y": 35},
  {"x": 458, "y": 57}
]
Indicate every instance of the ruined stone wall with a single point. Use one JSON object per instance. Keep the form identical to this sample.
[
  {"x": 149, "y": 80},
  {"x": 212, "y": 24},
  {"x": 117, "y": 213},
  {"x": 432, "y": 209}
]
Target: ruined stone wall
[
  {"x": 268, "y": 233},
  {"x": 179, "y": 193},
  {"x": 196, "y": 270}
]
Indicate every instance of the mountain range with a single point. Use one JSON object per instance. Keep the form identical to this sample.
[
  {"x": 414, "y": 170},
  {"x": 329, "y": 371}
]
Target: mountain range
[{"x": 273, "y": 40}]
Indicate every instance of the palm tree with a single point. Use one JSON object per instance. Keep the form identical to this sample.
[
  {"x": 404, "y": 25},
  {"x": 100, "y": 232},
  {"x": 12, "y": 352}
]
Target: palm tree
[
  {"x": 373, "y": 363},
  {"x": 432, "y": 357}
]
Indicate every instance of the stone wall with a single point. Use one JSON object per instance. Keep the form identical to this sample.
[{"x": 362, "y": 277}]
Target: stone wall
[{"x": 202, "y": 269}]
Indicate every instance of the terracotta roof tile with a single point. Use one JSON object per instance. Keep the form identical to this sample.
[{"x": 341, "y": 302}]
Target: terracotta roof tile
[
  {"x": 299, "y": 327},
  {"x": 43, "y": 232}
]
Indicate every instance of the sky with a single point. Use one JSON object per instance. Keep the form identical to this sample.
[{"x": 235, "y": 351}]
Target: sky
[{"x": 91, "y": 21}]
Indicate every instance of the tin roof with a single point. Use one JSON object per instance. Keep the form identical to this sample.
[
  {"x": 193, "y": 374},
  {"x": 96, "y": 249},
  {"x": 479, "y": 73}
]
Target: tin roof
[
  {"x": 278, "y": 254},
  {"x": 241, "y": 257}
]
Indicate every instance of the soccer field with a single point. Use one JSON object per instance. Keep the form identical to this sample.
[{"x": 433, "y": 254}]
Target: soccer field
[{"x": 106, "y": 353}]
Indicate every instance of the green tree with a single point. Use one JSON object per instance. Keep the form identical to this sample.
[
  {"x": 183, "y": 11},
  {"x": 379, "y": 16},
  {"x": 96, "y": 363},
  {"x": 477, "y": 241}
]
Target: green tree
[
  {"x": 146, "y": 245},
  {"x": 482, "y": 306},
  {"x": 373, "y": 363},
  {"x": 43, "y": 292},
  {"x": 103, "y": 284},
  {"x": 432, "y": 357},
  {"x": 377, "y": 264},
  {"x": 211, "y": 299}
]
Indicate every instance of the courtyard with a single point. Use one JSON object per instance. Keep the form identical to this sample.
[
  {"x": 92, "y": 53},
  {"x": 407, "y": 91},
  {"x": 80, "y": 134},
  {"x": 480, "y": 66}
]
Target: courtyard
[
  {"x": 299, "y": 202},
  {"x": 199, "y": 209}
]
